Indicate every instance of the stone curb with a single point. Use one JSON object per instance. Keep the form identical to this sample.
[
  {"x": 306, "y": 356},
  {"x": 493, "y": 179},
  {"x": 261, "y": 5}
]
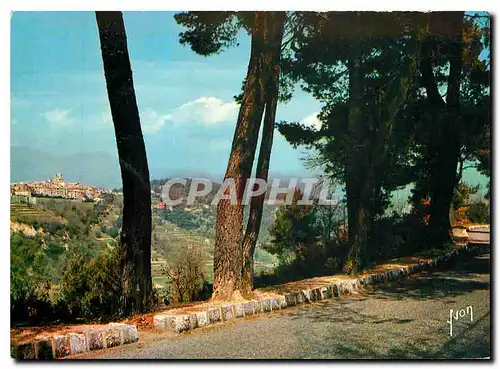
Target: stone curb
[
  {"x": 483, "y": 228},
  {"x": 114, "y": 334},
  {"x": 212, "y": 315}
]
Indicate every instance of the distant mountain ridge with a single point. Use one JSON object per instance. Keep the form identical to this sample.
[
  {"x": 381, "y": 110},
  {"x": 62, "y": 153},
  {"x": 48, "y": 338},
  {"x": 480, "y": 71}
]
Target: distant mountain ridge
[
  {"x": 102, "y": 169},
  {"x": 92, "y": 168}
]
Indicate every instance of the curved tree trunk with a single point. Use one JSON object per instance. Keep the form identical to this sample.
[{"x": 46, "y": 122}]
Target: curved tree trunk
[
  {"x": 135, "y": 238},
  {"x": 229, "y": 222},
  {"x": 277, "y": 22}
]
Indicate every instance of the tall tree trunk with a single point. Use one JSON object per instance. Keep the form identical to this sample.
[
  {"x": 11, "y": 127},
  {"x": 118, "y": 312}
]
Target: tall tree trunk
[
  {"x": 358, "y": 181},
  {"x": 135, "y": 238},
  {"x": 276, "y": 24},
  {"x": 444, "y": 171},
  {"x": 229, "y": 223},
  {"x": 360, "y": 219}
]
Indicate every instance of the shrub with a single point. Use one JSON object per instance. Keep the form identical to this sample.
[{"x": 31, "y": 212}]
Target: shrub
[
  {"x": 479, "y": 212},
  {"x": 52, "y": 227},
  {"x": 308, "y": 240},
  {"x": 54, "y": 250},
  {"x": 50, "y": 283},
  {"x": 462, "y": 201},
  {"x": 91, "y": 287},
  {"x": 294, "y": 233},
  {"x": 22, "y": 257},
  {"x": 181, "y": 219},
  {"x": 113, "y": 232},
  {"x": 33, "y": 278},
  {"x": 462, "y": 195},
  {"x": 460, "y": 216},
  {"x": 185, "y": 276}
]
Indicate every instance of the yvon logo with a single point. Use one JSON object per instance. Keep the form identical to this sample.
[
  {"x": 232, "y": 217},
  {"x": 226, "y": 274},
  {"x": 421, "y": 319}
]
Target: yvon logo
[{"x": 459, "y": 314}]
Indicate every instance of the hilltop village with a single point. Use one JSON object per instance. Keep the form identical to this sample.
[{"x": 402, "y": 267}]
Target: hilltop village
[{"x": 58, "y": 188}]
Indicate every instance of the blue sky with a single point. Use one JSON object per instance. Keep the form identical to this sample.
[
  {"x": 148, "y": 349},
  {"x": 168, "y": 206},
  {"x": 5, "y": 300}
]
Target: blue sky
[
  {"x": 188, "y": 114},
  {"x": 59, "y": 103}
]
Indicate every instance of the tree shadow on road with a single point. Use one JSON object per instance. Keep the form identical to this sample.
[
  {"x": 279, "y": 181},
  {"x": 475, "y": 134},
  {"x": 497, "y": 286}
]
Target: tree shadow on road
[
  {"x": 399, "y": 343},
  {"x": 340, "y": 312},
  {"x": 437, "y": 284},
  {"x": 472, "y": 342},
  {"x": 425, "y": 286},
  {"x": 429, "y": 287}
]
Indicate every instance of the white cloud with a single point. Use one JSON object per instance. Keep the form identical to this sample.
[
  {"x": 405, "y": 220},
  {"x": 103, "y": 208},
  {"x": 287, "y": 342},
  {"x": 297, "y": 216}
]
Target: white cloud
[
  {"x": 205, "y": 110},
  {"x": 58, "y": 117},
  {"x": 152, "y": 121},
  {"x": 312, "y": 121}
]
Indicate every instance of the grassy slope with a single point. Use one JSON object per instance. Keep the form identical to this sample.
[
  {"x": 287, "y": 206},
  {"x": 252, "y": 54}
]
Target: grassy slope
[{"x": 167, "y": 241}]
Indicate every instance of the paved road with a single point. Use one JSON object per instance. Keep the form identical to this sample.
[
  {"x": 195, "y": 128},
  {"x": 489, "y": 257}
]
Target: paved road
[{"x": 407, "y": 319}]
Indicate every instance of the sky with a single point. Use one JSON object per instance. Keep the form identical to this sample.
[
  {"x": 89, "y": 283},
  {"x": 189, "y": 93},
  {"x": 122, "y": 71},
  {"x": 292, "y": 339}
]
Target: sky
[
  {"x": 60, "y": 110},
  {"x": 59, "y": 102}
]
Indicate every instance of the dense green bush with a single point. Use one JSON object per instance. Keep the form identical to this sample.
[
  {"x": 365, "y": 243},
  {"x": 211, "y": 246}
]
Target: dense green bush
[
  {"x": 23, "y": 253},
  {"x": 181, "y": 219},
  {"x": 113, "y": 232},
  {"x": 49, "y": 282},
  {"x": 90, "y": 287},
  {"x": 463, "y": 194},
  {"x": 34, "y": 275},
  {"x": 479, "y": 212},
  {"x": 54, "y": 251},
  {"x": 294, "y": 239},
  {"x": 294, "y": 229},
  {"x": 52, "y": 227}
]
